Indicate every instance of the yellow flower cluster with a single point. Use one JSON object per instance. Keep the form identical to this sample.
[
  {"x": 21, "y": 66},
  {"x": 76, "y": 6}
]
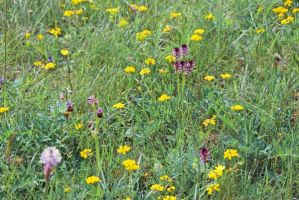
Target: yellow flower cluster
[
  {"x": 167, "y": 197},
  {"x": 141, "y": 8},
  {"x": 130, "y": 69},
  {"x": 211, "y": 121},
  {"x": 69, "y": 13},
  {"x": 166, "y": 178},
  {"x": 39, "y": 37},
  {"x": 67, "y": 189},
  {"x": 76, "y": 2},
  {"x": 86, "y": 153},
  {"x": 237, "y": 108},
  {"x": 209, "y": 78},
  {"x": 64, "y": 52},
  {"x": 170, "y": 58},
  {"x": 55, "y": 31},
  {"x": 217, "y": 172},
  {"x": 213, "y": 188},
  {"x": 164, "y": 97},
  {"x": 49, "y": 65},
  {"x": 145, "y": 71},
  {"x": 123, "y": 149},
  {"x": 197, "y": 35},
  {"x": 157, "y": 187},
  {"x": 118, "y": 106},
  {"x": 140, "y": 36},
  {"x": 78, "y": 126},
  {"x": 167, "y": 29},
  {"x": 150, "y": 61},
  {"x": 122, "y": 23},
  {"x": 210, "y": 16},
  {"x": 225, "y": 76},
  {"x": 230, "y": 153},
  {"x": 4, "y": 109},
  {"x": 284, "y": 13},
  {"x": 260, "y": 30},
  {"x": 93, "y": 180},
  {"x": 112, "y": 11},
  {"x": 130, "y": 165},
  {"x": 175, "y": 14}
]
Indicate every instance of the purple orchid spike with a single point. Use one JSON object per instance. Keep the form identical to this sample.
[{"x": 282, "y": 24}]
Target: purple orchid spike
[
  {"x": 178, "y": 66},
  {"x": 100, "y": 112},
  {"x": 184, "y": 49},
  {"x": 92, "y": 100},
  {"x": 50, "y": 59},
  {"x": 204, "y": 155},
  {"x": 70, "y": 106},
  {"x": 177, "y": 52},
  {"x": 50, "y": 158}
]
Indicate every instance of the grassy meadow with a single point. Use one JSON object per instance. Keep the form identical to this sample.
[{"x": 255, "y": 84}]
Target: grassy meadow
[{"x": 153, "y": 99}]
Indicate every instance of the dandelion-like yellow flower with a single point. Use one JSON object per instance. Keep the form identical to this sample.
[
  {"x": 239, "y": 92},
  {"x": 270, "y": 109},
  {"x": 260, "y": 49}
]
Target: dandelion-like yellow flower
[
  {"x": 167, "y": 29},
  {"x": 211, "y": 121},
  {"x": 163, "y": 71},
  {"x": 295, "y": 10},
  {"x": 170, "y": 58},
  {"x": 280, "y": 10},
  {"x": 199, "y": 31},
  {"x": 142, "y": 8},
  {"x": 130, "y": 69},
  {"x": 231, "y": 153},
  {"x": 64, "y": 52},
  {"x": 67, "y": 189},
  {"x": 288, "y": 3},
  {"x": 27, "y": 35},
  {"x": 209, "y": 78},
  {"x": 39, "y": 37},
  {"x": 112, "y": 11},
  {"x": 86, "y": 153},
  {"x": 164, "y": 97},
  {"x": 79, "y": 126},
  {"x": 78, "y": 12},
  {"x": 130, "y": 165},
  {"x": 55, "y": 31},
  {"x": 237, "y": 108},
  {"x": 93, "y": 180},
  {"x": 213, "y": 188},
  {"x": 145, "y": 71},
  {"x": 49, "y": 65},
  {"x": 210, "y": 16},
  {"x": 287, "y": 20},
  {"x": 196, "y": 37},
  {"x": 171, "y": 189},
  {"x": 168, "y": 197},
  {"x": 122, "y": 23},
  {"x": 118, "y": 106},
  {"x": 76, "y": 2},
  {"x": 175, "y": 14},
  {"x": 225, "y": 76},
  {"x": 165, "y": 178},
  {"x": 260, "y": 30},
  {"x": 123, "y": 149},
  {"x": 68, "y": 13},
  {"x": 140, "y": 36},
  {"x": 157, "y": 187},
  {"x": 37, "y": 64},
  {"x": 150, "y": 61},
  {"x": 4, "y": 109}
]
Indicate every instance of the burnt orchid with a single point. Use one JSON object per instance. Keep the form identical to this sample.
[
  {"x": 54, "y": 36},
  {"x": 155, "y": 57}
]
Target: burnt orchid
[{"x": 204, "y": 155}]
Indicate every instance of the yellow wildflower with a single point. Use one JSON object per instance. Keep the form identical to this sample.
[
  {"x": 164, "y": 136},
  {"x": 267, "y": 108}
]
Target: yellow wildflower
[
  {"x": 68, "y": 13},
  {"x": 157, "y": 187},
  {"x": 67, "y": 189},
  {"x": 76, "y": 2},
  {"x": 112, "y": 11},
  {"x": 79, "y": 126},
  {"x": 287, "y": 20},
  {"x": 118, "y": 106},
  {"x": 164, "y": 97},
  {"x": 230, "y": 153},
  {"x": 122, "y": 23},
  {"x": 130, "y": 165},
  {"x": 199, "y": 31},
  {"x": 225, "y": 76},
  {"x": 209, "y": 16},
  {"x": 166, "y": 178},
  {"x": 163, "y": 71},
  {"x": 280, "y": 10},
  {"x": 27, "y": 35},
  {"x": 130, "y": 69},
  {"x": 140, "y": 36},
  {"x": 123, "y": 149},
  {"x": 55, "y": 31},
  {"x": 171, "y": 189},
  {"x": 145, "y": 71},
  {"x": 167, "y": 29},
  {"x": 260, "y": 30},
  {"x": 93, "y": 180},
  {"x": 170, "y": 58},
  {"x": 49, "y": 65},
  {"x": 213, "y": 187},
  {"x": 260, "y": 9},
  {"x": 196, "y": 37},
  {"x": 39, "y": 37},
  {"x": 86, "y": 153},
  {"x": 64, "y": 52},
  {"x": 4, "y": 109},
  {"x": 209, "y": 78},
  {"x": 168, "y": 197},
  {"x": 142, "y": 8},
  {"x": 150, "y": 61},
  {"x": 175, "y": 14},
  {"x": 37, "y": 64},
  {"x": 211, "y": 121},
  {"x": 288, "y": 3},
  {"x": 237, "y": 108},
  {"x": 295, "y": 10}
]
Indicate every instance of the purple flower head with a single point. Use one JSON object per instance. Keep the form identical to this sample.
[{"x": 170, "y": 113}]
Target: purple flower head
[
  {"x": 92, "y": 100},
  {"x": 204, "y": 155},
  {"x": 178, "y": 66},
  {"x": 184, "y": 49},
  {"x": 188, "y": 66},
  {"x": 50, "y": 158},
  {"x": 70, "y": 106},
  {"x": 100, "y": 112},
  {"x": 176, "y": 52},
  {"x": 1, "y": 80},
  {"x": 50, "y": 59}
]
